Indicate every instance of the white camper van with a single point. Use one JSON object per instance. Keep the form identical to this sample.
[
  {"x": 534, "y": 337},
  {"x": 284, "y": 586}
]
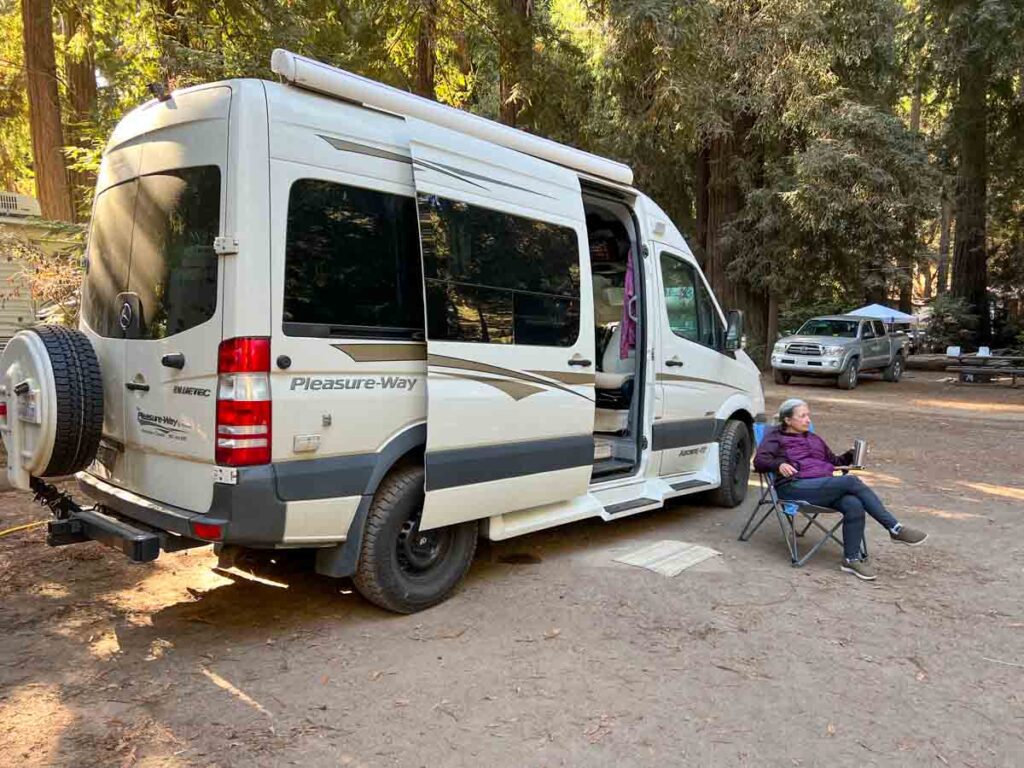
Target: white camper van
[{"x": 325, "y": 313}]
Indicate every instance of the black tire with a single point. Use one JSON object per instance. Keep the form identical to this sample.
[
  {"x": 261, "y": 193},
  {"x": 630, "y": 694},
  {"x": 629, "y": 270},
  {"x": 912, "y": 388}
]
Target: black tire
[
  {"x": 894, "y": 371},
  {"x": 781, "y": 377},
  {"x": 79, "y": 387},
  {"x": 401, "y": 569},
  {"x": 848, "y": 378},
  {"x": 734, "y": 461}
]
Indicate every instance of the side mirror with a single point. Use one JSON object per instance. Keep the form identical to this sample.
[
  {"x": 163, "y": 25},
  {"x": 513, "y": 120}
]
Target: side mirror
[{"x": 734, "y": 331}]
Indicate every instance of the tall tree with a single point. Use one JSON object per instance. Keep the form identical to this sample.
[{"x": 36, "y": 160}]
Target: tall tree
[
  {"x": 970, "y": 257},
  {"x": 515, "y": 46},
  {"x": 47, "y": 130},
  {"x": 426, "y": 53},
  {"x": 80, "y": 76}
]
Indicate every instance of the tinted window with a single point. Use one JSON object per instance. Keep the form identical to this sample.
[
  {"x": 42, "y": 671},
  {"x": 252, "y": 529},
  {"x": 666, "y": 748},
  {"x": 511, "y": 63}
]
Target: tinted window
[
  {"x": 868, "y": 332},
  {"x": 174, "y": 267},
  {"x": 153, "y": 236},
  {"x": 109, "y": 254},
  {"x": 497, "y": 278},
  {"x": 846, "y": 329},
  {"x": 879, "y": 328},
  {"x": 711, "y": 330},
  {"x": 691, "y": 310},
  {"x": 352, "y": 262},
  {"x": 678, "y": 279}
]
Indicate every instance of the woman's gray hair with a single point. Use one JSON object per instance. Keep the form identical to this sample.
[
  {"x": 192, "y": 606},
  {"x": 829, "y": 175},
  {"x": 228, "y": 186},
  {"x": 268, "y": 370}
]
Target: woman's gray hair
[{"x": 787, "y": 408}]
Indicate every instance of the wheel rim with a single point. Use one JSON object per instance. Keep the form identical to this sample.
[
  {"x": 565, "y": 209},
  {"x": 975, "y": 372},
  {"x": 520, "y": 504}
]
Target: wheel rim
[
  {"x": 852, "y": 376},
  {"x": 897, "y": 369},
  {"x": 420, "y": 551}
]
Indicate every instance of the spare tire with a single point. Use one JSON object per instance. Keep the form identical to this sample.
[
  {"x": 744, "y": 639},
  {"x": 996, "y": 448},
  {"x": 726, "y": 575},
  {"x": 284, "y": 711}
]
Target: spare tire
[{"x": 53, "y": 381}]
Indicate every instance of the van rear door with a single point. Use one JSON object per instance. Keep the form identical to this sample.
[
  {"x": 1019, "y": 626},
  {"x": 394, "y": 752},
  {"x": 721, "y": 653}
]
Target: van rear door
[
  {"x": 167, "y": 310},
  {"x": 510, "y": 336}
]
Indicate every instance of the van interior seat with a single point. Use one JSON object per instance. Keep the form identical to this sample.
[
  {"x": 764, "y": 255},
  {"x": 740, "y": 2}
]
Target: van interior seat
[{"x": 615, "y": 371}]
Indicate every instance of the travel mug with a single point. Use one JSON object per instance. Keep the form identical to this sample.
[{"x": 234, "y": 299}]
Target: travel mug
[{"x": 860, "y": 449}]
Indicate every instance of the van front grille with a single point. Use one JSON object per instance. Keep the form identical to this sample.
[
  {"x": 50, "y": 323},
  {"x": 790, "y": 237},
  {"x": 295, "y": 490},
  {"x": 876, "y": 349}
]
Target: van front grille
[{"x": 808, "y": 350}]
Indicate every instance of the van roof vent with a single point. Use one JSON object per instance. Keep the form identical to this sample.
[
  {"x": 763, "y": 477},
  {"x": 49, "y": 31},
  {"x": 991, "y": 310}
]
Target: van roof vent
[{"x": 316, "y": 76}]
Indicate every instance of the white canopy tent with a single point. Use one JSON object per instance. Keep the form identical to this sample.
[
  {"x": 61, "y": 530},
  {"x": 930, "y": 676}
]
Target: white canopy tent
[{"x": 885, "y": 314}]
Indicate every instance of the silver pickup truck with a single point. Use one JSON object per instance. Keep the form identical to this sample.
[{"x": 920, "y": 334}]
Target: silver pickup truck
[{"x": 840, "y": 347}]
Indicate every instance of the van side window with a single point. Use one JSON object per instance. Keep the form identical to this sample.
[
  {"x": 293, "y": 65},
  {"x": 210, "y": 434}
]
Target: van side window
[
  {"x": 691, "y": 310},
  {"x": 496, "y": 278},
  {"x": 352, "y": 263}
]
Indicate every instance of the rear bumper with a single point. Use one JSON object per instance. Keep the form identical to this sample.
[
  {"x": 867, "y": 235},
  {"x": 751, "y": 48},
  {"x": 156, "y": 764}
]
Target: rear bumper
[{"x": 248, "y": 513}]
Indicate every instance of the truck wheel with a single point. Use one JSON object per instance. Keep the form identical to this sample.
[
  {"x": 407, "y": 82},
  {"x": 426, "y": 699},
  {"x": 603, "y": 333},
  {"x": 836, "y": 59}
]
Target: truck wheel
[
  {"x": 734, "y": 463},
  {"x": 894, "y": 371},
  {"x": 848, "y": 378},
  {"x": 781, "y": 377},
  {"x": 401, "y": 568}
]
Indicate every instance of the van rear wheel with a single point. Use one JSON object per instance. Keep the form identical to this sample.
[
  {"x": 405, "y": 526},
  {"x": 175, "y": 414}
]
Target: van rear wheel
[
  {"x": 402, "y": 568},
  {"x": 734, "y": 461}
]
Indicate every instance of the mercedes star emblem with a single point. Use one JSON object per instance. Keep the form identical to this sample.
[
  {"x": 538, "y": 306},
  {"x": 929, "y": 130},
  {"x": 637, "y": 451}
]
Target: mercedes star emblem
[{"x": 126, "y": 316}]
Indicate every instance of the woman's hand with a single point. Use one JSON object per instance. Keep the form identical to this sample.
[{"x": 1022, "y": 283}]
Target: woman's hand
[{"x": 787, "y": 470}]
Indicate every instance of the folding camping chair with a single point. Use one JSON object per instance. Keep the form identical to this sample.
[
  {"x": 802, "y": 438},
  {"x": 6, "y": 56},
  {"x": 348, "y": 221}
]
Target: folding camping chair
[{"x": 787, "y": 512}]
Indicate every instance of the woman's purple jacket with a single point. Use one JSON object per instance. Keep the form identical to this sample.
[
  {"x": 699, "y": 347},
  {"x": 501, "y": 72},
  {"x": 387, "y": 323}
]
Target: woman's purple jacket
[{"x": 771, "y": 453}]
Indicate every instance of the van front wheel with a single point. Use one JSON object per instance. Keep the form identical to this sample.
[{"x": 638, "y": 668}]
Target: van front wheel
[
  {"x": 734, "y": 461},
  {"x": 401, "y": 568}
]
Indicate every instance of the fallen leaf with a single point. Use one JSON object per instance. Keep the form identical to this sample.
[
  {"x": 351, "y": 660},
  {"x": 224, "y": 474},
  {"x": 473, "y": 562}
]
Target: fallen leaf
[{"x": 551, "y": 634}]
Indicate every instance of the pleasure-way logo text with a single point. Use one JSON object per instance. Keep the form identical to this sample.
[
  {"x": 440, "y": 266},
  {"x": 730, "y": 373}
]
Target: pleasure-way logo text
[{"x": 313, "y": 384}]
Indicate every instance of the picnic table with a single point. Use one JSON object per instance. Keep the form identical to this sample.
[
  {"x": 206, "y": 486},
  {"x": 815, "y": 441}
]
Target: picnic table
[{"x": 974, "y": 368}]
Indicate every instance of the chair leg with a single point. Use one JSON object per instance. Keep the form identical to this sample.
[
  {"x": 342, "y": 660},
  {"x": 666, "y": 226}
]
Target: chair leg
[
  {"x": 824, "y": 540},
  {"x": 749, "y": 530}
]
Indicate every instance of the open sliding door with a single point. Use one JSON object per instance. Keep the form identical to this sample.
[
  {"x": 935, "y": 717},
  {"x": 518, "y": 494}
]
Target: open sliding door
[{"x": 510, "y": 335}]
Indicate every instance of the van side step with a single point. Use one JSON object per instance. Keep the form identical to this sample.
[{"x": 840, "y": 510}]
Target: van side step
[
  {"x": 625, "y": 506},
  {"x": 686, "y": 485}
]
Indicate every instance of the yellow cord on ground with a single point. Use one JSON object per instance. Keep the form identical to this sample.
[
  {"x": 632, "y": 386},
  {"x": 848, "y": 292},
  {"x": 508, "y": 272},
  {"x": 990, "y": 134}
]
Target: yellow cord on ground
[{"x": 24, "y": 527}]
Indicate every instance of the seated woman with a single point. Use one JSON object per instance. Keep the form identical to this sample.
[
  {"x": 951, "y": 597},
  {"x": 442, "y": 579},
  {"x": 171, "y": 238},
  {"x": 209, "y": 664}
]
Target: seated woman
[{"x": 804, "y": 467}]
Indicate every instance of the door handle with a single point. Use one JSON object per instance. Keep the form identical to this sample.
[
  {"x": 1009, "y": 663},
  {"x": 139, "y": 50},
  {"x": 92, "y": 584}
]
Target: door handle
[
  {"x": 580, "y": 362},
  {"x": 173, "y": 360},
  {"x": 674, "y": 363},
  {"x": 135, "y": 386}
]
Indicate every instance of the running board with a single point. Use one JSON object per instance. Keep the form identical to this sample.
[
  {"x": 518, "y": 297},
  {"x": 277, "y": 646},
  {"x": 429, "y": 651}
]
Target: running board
[
  {"x": 625, "y": 506},
  {"x": 687, "y": 485}
]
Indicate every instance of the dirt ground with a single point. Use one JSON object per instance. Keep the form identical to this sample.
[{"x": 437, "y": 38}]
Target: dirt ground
[{"x": 551, "y": 654}]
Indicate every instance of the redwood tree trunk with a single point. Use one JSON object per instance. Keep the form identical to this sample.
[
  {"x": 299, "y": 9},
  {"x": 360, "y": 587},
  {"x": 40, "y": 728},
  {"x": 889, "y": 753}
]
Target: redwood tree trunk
[
  {"x": 970, "y": 258},
  {"x": 426, "y": 56},
  {"x": 514, "y": 59},
  {"x": 44, "y": 111},
  {"x": 80, "y": 75},
  {"x": 945, "y": 231}
]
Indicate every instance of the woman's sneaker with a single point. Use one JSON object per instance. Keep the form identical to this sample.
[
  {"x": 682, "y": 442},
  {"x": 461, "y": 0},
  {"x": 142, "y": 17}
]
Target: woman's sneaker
[
  {"x": 859, "y": 568},
  {"x": 910, "y": 536}
]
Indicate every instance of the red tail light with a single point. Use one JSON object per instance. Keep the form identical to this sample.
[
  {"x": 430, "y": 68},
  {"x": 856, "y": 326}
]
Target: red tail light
[{"x": 243, "y": 402}]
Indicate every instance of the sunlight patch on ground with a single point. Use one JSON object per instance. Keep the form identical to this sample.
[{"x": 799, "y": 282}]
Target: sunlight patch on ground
[
  {"x": 37, "y": 717},
  {"x": 106, "y": 646},
  {"x": 50, "y": 589},
  {"x": 946, "y": 514},
  {"x": 879, "y": 478},
  {"x": 1006, "y": 491},
  {"x": 962, "y": 405},
  {"x": 223, "y": 684}
]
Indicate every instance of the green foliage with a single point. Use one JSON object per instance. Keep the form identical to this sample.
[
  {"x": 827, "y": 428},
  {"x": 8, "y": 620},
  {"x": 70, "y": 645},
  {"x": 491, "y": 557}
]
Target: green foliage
[
  {"x": 837, "y": 196},
  {"x": 950, "y": 323}
]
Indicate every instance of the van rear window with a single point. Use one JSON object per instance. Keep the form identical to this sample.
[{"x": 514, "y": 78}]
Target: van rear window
[
  {"x": 352, "y": 263},
  {"x": 153, "y": 237}
]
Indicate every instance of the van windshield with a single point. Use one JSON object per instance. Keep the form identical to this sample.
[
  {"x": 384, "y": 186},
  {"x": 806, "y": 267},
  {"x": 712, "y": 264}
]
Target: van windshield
[
  {"x": 153, "y": 237},
  {"x": 846, "y": 329}
]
